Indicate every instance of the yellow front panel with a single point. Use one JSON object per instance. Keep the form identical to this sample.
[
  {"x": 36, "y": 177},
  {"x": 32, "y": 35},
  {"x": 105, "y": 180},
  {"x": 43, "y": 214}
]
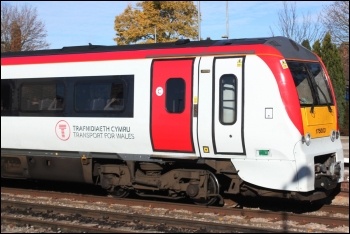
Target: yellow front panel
[{"x": 319, "y": 123}]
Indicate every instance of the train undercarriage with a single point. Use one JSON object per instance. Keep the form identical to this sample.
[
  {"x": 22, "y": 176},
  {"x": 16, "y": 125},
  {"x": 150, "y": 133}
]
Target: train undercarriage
[
  {"x": 204, "y": 181},
  {"x": 204, "y": 185},
  {"x": 148, "y": 179}
]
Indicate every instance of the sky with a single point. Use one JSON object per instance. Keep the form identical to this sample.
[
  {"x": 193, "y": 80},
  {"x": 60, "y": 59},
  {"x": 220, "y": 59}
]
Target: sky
[{"x": 73, "y": 23}]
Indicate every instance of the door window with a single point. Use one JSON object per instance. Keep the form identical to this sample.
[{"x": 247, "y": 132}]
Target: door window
[
  {"x": 227, "y": 113},
  {"x": 175, "y": 95}
]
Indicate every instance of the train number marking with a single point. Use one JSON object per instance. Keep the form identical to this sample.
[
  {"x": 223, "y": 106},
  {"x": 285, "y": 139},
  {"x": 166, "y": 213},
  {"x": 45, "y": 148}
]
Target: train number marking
[{"x": 320, "y": 130}]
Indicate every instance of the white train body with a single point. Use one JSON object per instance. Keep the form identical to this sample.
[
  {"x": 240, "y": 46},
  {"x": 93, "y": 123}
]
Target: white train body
[{"x": 230, "y": 111}]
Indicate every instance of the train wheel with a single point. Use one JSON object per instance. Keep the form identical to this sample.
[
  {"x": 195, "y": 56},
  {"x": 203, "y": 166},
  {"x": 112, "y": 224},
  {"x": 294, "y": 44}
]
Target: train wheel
[
  {"x": 119, "y": 192},
  {"x": 213, "y": 188}
]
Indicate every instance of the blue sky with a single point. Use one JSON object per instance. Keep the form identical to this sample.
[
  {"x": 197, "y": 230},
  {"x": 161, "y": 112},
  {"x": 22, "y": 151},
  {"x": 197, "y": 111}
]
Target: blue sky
[{"x": 72, "y": 23}]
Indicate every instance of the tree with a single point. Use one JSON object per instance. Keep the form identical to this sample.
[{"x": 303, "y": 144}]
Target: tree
[
  {"x": 344, "y": 53},
  {"x": 290, "y": 26},
  {"x": 306, "y": 44},
  {"x": 336, "y": 19},
  {"x": 156, "y": 21},
  {"x": 332, "y": 60},
  {"x": 21, "y": 30},
  {"x": 16, "y": 36},
  {"x": 316, "y": 48}
]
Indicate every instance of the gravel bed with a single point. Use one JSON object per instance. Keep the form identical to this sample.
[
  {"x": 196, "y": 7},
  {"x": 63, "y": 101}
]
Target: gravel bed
[{"x": 183, "y": 214}]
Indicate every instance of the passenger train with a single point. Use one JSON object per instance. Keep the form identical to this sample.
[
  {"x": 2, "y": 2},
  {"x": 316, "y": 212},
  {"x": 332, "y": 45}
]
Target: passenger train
[{"x": 184, "y": 119}]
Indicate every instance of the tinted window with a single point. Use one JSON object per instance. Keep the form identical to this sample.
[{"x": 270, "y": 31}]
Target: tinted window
[
  {"x": 100, "y": 96},
  {"x": 311, "y": 84},
  {"x": 320, "y": 83},
  {"x": 6, "y": 93},
  {"x": 42, "y": 97},
  {"x": 83, "y": 96},
  {"x": 175, "y": 95}
]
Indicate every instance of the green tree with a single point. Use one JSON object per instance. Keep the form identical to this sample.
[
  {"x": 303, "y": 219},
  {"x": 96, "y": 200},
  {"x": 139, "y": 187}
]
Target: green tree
[
  {"x": 316, "y": 48},
  {"x": 331, "y": 58},
  {"x": 306, "y": 44},
  {"x": 156, "y": 21}
]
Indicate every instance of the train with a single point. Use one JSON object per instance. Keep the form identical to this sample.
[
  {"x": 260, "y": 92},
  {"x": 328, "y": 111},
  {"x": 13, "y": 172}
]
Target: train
[{"x": 255, "y": 117}]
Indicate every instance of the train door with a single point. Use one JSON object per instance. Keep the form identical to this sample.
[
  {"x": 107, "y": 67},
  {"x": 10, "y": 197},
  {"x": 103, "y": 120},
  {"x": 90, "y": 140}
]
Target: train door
[
  {"x": 220, "y": 106},
  {"x": 171, "y": 105}
]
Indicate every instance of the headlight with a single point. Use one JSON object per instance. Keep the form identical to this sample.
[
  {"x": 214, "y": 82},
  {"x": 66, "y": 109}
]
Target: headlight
[
  {"x": 333, "y": 135},
  {"x": 306, "y": 139}
]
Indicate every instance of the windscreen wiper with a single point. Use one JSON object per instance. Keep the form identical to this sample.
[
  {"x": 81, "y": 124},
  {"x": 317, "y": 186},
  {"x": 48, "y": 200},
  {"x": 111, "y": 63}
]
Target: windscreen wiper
[{"x": 325, "y": 98}]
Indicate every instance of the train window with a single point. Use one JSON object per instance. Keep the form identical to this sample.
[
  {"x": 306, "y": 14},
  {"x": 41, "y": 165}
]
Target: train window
[
  {"x": 302, "y": 82},
  {"x": 100, "y": 96},
  {"x": 175, "y": 95},
  {"x": 320, "y": 83},
  {"x": 95, "y": 96},
  {"x": 42, "y": 97},
  {"x": 82, "y": 97},
  {"x": 311, "y": 83},
  {"x": 116, "y": 100},
  {"x": 6, "y": 93},
  {"x": 227, "y": 106}
]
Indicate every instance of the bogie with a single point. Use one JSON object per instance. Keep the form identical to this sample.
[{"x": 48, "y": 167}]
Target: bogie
[{"x": 153, "y": 179}]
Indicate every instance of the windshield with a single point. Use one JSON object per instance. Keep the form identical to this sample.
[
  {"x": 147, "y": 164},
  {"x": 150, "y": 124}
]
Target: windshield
[{"x": 311, "y": 83}]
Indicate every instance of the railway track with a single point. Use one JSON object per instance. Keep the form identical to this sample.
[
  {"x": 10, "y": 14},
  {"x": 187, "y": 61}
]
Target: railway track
[
  {"x": 108, "y": 221},
  {"x": 168, "y": 216},
  {"x": 55, "y": 225}
]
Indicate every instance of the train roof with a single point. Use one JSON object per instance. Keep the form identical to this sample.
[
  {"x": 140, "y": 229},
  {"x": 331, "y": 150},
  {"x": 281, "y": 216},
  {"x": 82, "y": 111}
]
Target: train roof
[{"x": 286, "y": 46}]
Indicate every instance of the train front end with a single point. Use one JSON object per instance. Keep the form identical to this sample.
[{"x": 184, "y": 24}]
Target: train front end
[
  {"x": 319, "y": 154},
  {"x": 300, "y": 155}
]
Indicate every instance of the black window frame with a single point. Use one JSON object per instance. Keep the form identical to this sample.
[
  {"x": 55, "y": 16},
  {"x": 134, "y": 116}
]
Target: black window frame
[{"x": 68, "y": 111}]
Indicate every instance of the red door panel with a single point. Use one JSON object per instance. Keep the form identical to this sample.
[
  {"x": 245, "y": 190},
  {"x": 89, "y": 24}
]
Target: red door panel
[{"x": 171, "y": 131}]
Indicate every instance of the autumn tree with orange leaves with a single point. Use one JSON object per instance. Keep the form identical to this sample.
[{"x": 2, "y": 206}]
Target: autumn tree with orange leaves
[{"x": 156, "y": 21}]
